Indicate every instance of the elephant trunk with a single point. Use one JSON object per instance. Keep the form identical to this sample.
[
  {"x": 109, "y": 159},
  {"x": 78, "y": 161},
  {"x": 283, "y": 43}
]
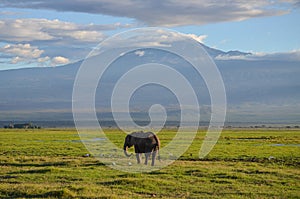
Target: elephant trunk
[{"x": 125, "y": 151}]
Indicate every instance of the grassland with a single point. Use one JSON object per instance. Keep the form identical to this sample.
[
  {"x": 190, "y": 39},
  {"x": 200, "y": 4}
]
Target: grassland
[{"x": 245, "y": 163}]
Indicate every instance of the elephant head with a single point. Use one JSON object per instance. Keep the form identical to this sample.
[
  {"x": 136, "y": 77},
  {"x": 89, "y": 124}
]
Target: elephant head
[{"x": 127, "y": 144}]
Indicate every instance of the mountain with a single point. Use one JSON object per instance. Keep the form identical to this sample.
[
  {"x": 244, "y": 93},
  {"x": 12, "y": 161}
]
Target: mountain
[
  {"x": 257, "y": 90},
  {"x": 215, "y": 52}
]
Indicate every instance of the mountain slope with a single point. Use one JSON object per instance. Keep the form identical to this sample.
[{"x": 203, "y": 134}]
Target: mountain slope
[{"x": 256, "y": 90}]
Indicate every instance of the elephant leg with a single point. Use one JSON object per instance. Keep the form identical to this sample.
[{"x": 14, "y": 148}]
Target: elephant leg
[
  {"x": 138, "y": 158},
  {"x": 153, "y": 157},
  {"x": 147, "y": 155}
]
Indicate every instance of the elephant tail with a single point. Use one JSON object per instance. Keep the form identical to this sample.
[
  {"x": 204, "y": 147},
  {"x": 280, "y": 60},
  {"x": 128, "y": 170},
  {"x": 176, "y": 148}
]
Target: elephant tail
[
  {"x": 157, "y": 146},
  {"x": 158, "y": 155}
]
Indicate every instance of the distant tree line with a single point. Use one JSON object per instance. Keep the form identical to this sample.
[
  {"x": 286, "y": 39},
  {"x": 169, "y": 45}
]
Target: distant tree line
[{"x": 21, "y": 126}]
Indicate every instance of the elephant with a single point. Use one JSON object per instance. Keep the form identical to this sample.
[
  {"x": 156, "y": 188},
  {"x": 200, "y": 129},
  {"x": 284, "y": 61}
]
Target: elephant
[{"x": 146, "y": 143}]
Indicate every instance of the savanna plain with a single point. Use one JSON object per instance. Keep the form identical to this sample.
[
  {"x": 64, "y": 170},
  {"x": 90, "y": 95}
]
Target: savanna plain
[{"x": 245, "y": 163}]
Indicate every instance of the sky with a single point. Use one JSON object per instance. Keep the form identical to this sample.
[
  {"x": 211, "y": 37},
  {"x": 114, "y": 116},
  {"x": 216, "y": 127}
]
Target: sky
[{"x": 43, "y": 33}]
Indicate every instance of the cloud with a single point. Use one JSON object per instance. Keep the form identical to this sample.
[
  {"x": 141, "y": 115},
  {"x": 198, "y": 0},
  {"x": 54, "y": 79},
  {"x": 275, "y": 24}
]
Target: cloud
[
  {"x": 139, "y": 53},
  {"x": 9, "y": 13},
  {"x": 280, "y": 56},
  {"x": 22, "y": 50},
  {"x": 27, "y": 39},
  {"x": 149, "y": 38},
  {"x": 295, "y": 3},
  {"x": 59, "y": 60},
  {"x": 23, "y": 30},
  {"x": 43, "y": 59},
  {"x": 17, "y": 60},
  {"x": 198, "y": 38},
  {"x": 167, "y": 12},
  {"x": 27, "y": 54},
  {"x": 26, "y": 30},
  {"x": 152, "y": 37}
]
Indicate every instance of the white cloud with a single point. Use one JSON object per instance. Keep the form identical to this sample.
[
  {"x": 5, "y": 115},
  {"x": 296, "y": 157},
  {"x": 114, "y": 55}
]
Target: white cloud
[
  {"x": 27, "y": 54},
  {"x": 23, "y": 30},
  {"x": 17, "y": 60},
  {"x": 9, "y": 13},
  {"x": 18, "y": 53},
  {"x": 59, "y": 60},
  {"x": 22, "y": 50},
  {"x": 149, "y": 38},
  {"x": 295, "y": 3},
  {"x": 139, "y": 53},
  {"x": 280, "y": 56},
  {"x": 43, "y": 59},
  {"x": 152, "y": 37},
  {"x": 26, "y": 30},
  {"x": 25, "y": 37},
  {"x": 199, "y": 38},
  {"x": 167, "y": 12}
]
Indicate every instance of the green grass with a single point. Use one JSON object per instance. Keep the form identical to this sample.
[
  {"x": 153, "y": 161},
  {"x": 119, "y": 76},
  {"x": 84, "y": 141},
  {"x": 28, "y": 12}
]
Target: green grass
[{"x": 245, "y": 163}]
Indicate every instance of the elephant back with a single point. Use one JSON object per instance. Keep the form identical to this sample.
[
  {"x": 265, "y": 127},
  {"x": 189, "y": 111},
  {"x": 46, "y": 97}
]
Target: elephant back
[{"x": 148, "y": 137}]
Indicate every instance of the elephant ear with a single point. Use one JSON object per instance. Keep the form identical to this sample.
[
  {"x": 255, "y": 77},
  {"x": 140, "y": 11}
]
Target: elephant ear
[{"x": 128, "y": 138}]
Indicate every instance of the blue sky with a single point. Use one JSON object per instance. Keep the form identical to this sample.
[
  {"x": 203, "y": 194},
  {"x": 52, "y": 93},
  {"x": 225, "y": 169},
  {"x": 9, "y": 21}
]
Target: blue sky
[{"x": 50, "y": 33}]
